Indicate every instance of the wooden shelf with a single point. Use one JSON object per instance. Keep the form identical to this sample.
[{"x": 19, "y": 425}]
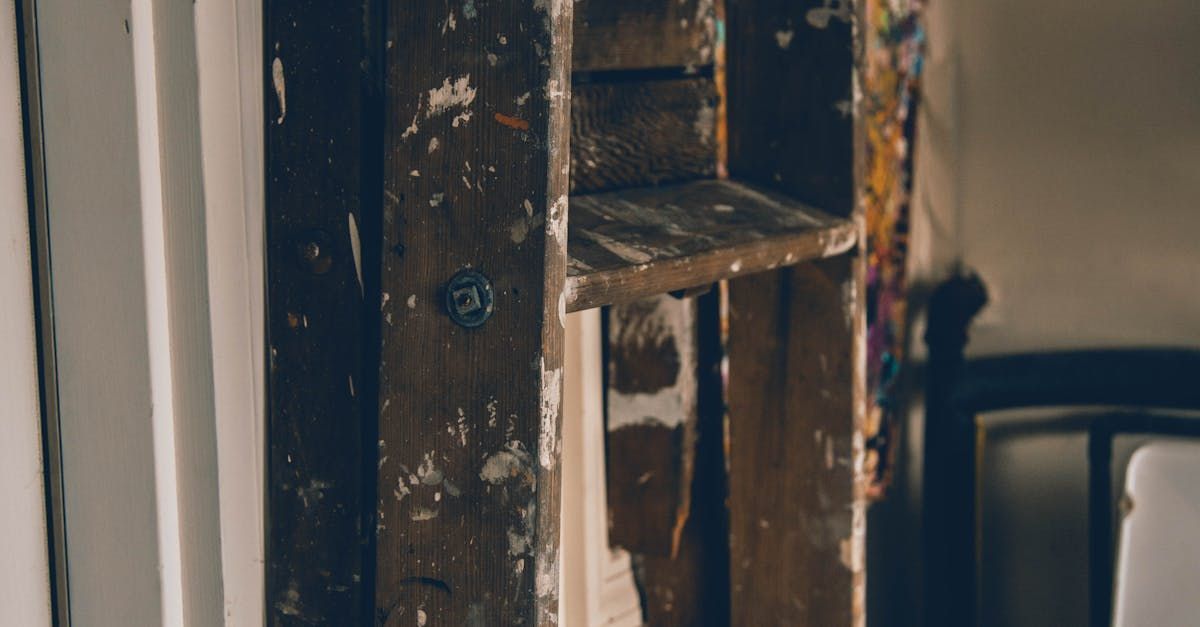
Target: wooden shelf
[{"x": 634, "y": 243}]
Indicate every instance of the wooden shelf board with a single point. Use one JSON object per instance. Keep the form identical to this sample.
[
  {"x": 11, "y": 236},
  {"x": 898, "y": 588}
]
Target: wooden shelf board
[{"x": 633, "y": 243}]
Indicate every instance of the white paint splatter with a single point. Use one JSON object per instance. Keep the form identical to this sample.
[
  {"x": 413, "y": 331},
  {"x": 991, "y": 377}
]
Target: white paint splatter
[
  {"x": 505, "y": 464},
  {"x": 412, "y": 127},
  {"x": 412, "y": 301},
  {"x": 723, "y": 208},
  {"x": 551, "y": 404},
  {"x": 819, "y": 17},
  {"x": 436, "y": 199},
  {"x": 421, "y": 618},
  {"x": 451, "y": 94},
  {"x": 415, "y": 174},
  {"x": 433, "y": 145},
  {"x": 356, "y": 251},
  {"x": 670, "y": 321},
  {"x": 616, "y": 247},
  {"x": 736, "y": 266},
  {"x": 784, "y": 38},
  {"x": 280, "y": 89}
]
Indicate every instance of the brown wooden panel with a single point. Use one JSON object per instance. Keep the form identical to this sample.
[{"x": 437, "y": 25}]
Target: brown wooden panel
[
  {"x": 314, "y": 65},
  {"x": 651, "y": 422},
  {"x": 624, "y": 34},
  {"x": 639, "y": 242},
  {"x": 797, "y": 510},
  {"x": 475, "y": 176},
  {"x": 665, "y": 464},
  {"x": 790, "y": 107},
  {"x": 630, "y": 134}
]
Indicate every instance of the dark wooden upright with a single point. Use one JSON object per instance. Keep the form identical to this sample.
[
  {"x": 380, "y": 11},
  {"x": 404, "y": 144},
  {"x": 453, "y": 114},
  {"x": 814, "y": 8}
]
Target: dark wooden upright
[
  {"x": 316, "y": 67},
  {"x": 796, "y": 343},
  {"x": 475, "y": 168}
]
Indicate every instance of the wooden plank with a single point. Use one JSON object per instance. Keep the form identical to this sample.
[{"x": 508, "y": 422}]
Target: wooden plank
[
  {"x": 316, "y": 303},
  {"x": 475, "y": 176},
  {"x": 796, "y": 391},
  {"x": 630, "y": 34},
  {"x": 797, "y": 514},
  {"x": 651, "y": 422},
  {"x": 790, "y": 106},
  {"x": 632, "y": 134},
  {"x": 634, "y": 243},
  {"x": 665, "y": 463}
]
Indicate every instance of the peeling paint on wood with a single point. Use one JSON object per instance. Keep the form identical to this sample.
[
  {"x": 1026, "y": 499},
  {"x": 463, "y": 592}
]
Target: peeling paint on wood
[{"x": 491, "y": 196}]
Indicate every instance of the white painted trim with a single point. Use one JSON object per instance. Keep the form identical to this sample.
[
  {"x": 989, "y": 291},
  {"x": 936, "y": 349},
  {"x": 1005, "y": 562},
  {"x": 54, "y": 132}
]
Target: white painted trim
[
  {"x": 25, "y": 567},
  {"x": 130, "y": 282},
  {"x": 229, "y": 54},
  {"x": 598, "y": 587}
]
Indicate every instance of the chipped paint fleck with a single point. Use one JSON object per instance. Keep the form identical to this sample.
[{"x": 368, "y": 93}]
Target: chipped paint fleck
[
  {"x": 456, "y": 94},
  {"x": 819, "y": 17},
  {"x": 421, "y": 618},
  {"x": 356, "y": 251},
  {"x": 411, "y": 302},
  {"x": 668, "y": 322},
  {"x": 436, "y": 199},
  {"x": 433, "y": 145},
  {"x": 551, "y": 390},
  {"x": 510, "y": 462},
  {"x": 511, "y": 122},
  {"x": 783, "y": 38},
  {"x": 280, "y": 88}
]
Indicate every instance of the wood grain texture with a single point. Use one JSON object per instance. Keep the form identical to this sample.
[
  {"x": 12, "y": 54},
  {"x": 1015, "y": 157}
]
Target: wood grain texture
[
  {"x": 475, "y": 176},
  {"x": 315, "y": 310},
  {"x": 634, "y": 243},
  {"x": 629, "y": 34},
  {"x": 790, "y": 107},
  {"x": 796, "y": 510},
  {"x": 633, "y": 134},
  {"x": 666, "y": 474}
]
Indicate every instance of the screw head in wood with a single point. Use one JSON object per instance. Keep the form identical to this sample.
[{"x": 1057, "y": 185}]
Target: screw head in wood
[
  {"x": 469, "y": 299},
  {"x": 313, "y": 249}
]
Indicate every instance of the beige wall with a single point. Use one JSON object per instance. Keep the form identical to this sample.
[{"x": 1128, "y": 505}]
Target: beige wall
[{"x": 1059, "y": 156}]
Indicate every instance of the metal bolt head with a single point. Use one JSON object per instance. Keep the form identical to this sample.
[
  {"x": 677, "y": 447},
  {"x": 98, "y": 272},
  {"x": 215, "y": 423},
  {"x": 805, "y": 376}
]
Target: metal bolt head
[
  {"x": 312, "y": 247},
  {"x": 469, "y": 297}
]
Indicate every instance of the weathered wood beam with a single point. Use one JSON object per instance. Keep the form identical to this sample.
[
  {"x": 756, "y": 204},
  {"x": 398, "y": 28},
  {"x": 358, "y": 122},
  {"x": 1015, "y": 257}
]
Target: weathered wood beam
[
  {"x": 475, "y": 179},
  {"x": 796, "y": 346},
  {"x": 316, "y": 62}
]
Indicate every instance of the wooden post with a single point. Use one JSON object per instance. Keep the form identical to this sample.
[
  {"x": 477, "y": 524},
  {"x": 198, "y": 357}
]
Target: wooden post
[
  {"x": 796, "y": 350},
  {"x": 475, "y": 178},
  {"x": 317, "y": 69}
]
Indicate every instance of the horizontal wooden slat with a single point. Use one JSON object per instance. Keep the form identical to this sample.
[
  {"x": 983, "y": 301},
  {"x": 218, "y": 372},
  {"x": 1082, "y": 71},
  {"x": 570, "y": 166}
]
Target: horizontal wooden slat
[
  {"x": 633, "y": 243},
  {"x": 627, "y": 34},
  {"x": 633, "y": 134}
]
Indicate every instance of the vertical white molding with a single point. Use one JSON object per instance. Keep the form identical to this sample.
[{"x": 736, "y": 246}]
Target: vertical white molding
[
  {"x": 229, "y": 54},
  {"x": 597, "y": 585},
  {"x": 157, "y": 328},
  {"x": 24, "y": 569},
  {"x": 130, "y": 282}
]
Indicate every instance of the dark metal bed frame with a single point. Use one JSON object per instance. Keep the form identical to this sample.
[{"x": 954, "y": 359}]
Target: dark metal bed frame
[{"x": 958, "y": 389}]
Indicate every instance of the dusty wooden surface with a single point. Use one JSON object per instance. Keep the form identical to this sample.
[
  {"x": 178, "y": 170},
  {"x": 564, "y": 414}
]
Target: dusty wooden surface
[
  {"x": 628, "y": 34},
  {"x": 665, "y": 466},
  {"x": 639, "y": 242},
  {"x": 631, "y": 134},
  {"x": 790, "y": 102},
  {"x": 475, "y": 176},
  {"x": 795, "y": 514},
  {"x": 315, "y": 305}
]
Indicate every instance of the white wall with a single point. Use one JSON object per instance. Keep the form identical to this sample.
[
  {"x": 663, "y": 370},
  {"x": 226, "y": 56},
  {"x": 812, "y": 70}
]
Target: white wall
[
  {"x": 24, "y": 569},
  {"x": 1058, "y": 154}
]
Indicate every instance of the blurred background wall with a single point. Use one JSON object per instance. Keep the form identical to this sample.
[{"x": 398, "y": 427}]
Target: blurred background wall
[{"x": 1058, "y": 155}]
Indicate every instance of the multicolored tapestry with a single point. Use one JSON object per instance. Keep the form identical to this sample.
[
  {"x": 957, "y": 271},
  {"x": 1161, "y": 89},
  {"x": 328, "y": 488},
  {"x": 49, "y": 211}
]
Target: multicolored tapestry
[{"x": 894, "y": 44}]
